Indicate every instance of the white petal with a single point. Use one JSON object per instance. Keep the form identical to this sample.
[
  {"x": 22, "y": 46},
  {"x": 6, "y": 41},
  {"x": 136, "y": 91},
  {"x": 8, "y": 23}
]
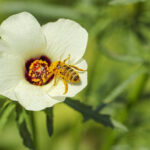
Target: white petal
[
  {"x": 3, "y": 46},
  {"x": 65, "y": 37},
  {"x": 73, "y": 89},
  {"x": 22, "y": 33},
  {"x": 11, "y": 73},
  {"x": 33, "y": 97}
]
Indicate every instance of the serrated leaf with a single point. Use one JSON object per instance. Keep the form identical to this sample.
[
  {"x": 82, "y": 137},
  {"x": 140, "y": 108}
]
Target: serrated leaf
[
  {"x": 23, "y": 129},
  {"x": 88, "y": 112},
  {"x": 119, "y": 2},
  {"x": 49, "y": 119},
  {"x": 5, "y": 113}
]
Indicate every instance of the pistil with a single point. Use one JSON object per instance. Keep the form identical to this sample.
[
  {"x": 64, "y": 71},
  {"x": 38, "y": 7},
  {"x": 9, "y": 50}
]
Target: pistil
[{"x": 37, "y": 71}]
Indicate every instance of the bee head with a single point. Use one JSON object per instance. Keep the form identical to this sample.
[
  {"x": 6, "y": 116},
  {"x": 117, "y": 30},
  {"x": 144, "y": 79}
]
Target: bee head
[{"x": 58, "y": 65}]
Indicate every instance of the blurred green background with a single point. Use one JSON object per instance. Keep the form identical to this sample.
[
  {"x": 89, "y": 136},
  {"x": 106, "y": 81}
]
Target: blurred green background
[{"x": 119, "y": 33}]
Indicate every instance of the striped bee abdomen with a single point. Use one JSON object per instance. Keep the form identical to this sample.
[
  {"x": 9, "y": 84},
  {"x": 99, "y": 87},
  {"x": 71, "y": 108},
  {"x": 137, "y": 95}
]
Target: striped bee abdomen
[
  {"x": 69, "y": 74},
  {"x": 65, "y": 72}
]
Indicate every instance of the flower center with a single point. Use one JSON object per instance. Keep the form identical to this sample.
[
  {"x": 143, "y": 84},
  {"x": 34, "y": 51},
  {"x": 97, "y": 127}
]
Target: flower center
[{"x": 37, "y": 71}]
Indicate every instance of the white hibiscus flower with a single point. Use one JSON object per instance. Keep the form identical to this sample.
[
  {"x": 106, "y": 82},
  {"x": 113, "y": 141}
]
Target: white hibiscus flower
[{"x": 27, "y": 50}]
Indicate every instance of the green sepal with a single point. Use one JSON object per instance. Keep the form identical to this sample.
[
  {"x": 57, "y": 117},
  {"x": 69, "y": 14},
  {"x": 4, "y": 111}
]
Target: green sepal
[
  {"x": 23, "y": 128},
  {"x": 5, "y": 112},
  {"x": 49, "y": 120}
]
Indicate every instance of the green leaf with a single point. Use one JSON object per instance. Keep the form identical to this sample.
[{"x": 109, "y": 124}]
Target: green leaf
[
  {"x": 123, "y": 58},
  {"x": 119, "y": 2},
  {"x": 88, "y": 112},
  {"x": 5, "y": 113},
  {"x": 49, "y": 117},
  {"x": 120, "y": 88},
  {"x": 22, "y": 126},
  {"x": 38, "y": 8},
  {"x": 3, "y": 100},
  {"x": 119, "y": 125}
]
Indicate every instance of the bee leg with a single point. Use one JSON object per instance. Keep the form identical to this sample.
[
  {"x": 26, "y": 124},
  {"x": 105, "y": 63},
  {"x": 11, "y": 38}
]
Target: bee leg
[
  {"x": 55, "y": 77},
  {"x": 66, "y": 86},
  {"x": 67, "y": 58},
  {"x": 77, "y": 68}
]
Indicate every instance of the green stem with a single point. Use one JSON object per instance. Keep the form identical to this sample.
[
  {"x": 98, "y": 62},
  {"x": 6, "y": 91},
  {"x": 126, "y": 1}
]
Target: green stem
[
  {"x": 92, "y": 75},
  {"x": 34, "y": 130},
  {"x": 133, "y": 98},
  {"x": 138, "y": 90},
  {"x": 119, "y": 89}
]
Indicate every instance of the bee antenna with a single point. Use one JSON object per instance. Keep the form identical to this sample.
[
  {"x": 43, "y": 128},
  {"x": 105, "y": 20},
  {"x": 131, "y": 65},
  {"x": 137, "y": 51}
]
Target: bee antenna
[
  {"x": 61, "y": 56},
  {"x": 69, "y": 58}
]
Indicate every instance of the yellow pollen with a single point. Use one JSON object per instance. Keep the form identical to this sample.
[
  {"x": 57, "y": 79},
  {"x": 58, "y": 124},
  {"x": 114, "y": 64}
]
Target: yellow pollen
[{"x": 39, "y": 72}]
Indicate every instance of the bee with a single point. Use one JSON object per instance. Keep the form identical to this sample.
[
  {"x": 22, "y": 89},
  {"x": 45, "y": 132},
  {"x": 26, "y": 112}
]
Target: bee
[{"x": 65, "y": 72}]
